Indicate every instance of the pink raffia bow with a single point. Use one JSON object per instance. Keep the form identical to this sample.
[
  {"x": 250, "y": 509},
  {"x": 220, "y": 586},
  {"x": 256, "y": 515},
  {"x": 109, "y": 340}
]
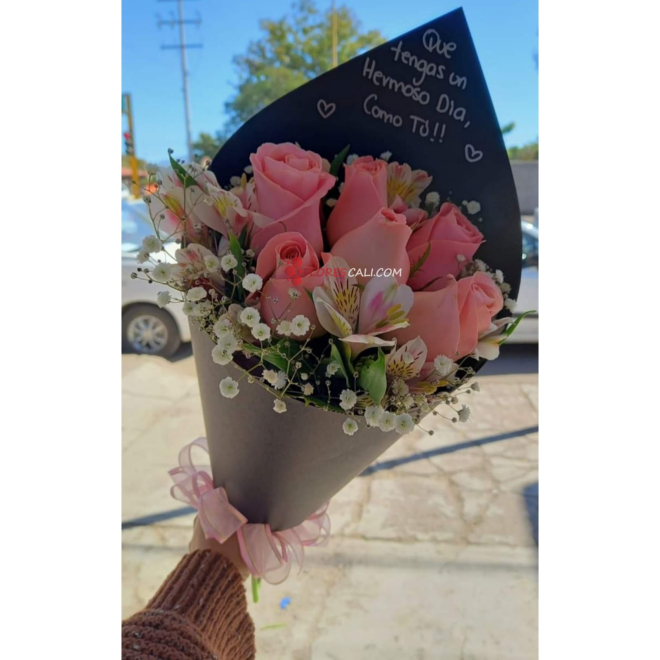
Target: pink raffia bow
[{"x": 266, "y": 553}]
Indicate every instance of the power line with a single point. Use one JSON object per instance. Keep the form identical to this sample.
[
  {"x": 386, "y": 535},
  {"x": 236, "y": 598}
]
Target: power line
[{"x": 182, "y": 46}]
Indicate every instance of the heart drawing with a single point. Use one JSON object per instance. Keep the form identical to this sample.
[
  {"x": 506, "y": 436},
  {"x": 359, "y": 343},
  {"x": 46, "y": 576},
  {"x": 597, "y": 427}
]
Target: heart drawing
[
  {"x": 472, "y": 155},
  {"x": 325, "y": 109}
]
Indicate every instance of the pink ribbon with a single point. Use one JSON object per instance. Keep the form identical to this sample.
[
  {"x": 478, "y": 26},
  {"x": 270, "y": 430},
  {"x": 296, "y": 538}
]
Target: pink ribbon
[{"x": 266, "y": 553}]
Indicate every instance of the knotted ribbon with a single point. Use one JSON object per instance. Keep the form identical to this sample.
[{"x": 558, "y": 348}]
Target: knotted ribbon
[{"x": 267, "y": 554}]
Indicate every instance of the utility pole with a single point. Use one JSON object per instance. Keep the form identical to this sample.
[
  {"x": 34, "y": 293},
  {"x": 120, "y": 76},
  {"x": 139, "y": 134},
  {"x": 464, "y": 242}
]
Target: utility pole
[
  {"x": 129, "y": 144},
  {"x": 182, "y": 46},
  {"x": 335, "y": 54}
]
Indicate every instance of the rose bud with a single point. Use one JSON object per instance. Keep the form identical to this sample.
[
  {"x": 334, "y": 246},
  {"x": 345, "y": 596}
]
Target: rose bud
[
  {"x": 363, "y": 194},
  {"x": 453, "y": 240}
]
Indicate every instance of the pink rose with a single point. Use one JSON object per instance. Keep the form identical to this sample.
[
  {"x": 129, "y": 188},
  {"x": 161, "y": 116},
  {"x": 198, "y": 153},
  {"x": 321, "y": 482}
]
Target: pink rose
[
  {"x": 288, "y": 265},
  {"x": 363, "y": 194},
  {"x": 450, "y": 320},
  {"x": 379, "y": 243},
  {"x": 290, "y": 184},
  {"x": 451, "y": 236},
  {"x": 414, "y": 216},
  {"x": 479, "y": 301},
  {"x": 434, "y": 318}
]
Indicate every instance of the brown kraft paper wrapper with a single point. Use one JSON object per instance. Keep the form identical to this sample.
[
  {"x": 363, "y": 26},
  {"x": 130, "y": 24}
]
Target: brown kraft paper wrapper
[{"x": 277, "y": 468}]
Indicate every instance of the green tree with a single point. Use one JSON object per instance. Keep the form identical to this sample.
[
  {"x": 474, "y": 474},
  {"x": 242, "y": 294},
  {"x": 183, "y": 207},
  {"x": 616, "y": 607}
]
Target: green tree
[
  {"x": 208, "y": 145},
  {"x": 529, "y": 151},
  {"x": 291, "y": 51}
]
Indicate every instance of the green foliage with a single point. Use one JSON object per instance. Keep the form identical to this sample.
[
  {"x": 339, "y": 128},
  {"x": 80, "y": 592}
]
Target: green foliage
[
  {"x": 507, "y": 128},
  {"x": 372, "y": 377},
  {"x": 337, "y": 357},
  {"x": 528, "y": 152},
  {"x": 338, "y": 161},
  {"x": 209, "y": 145},
  {"x": 291, "y": 51}
]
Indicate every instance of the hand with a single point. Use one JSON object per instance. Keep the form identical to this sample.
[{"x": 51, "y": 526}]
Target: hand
[{"x": 228, "y": 549}]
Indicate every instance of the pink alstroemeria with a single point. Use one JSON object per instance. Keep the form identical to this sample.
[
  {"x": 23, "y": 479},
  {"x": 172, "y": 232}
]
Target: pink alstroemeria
[
  {"x": 407, "y": 361},
  {"x": 406, "y": 183},
  {"x": 176, "y": 210},
  {"x": 358, "y": 317},
  {"x": 190, "y": 266}
]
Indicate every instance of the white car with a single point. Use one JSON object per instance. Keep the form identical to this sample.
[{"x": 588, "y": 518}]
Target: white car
[
  {"x": 527, "y": 331},
  {"x": 146, "y": 328}
]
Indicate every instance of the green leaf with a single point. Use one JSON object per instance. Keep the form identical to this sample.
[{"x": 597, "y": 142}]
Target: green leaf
[
  {"x": 182, "y": 174},
  {"x": 237, "y": 251},
  {"x": 420, "y": 262},
  {"x": 338, "y": 160},
  {"x": 339, "y": 359},
  {"x": 372, "y": 377},
  {"x": 256, "y": 585},
  {"x": 510, "y": 330}
]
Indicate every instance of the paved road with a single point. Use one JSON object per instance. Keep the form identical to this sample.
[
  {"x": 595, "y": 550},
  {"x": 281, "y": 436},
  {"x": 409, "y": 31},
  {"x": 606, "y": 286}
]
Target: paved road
[{"x": 433, "y": 554}]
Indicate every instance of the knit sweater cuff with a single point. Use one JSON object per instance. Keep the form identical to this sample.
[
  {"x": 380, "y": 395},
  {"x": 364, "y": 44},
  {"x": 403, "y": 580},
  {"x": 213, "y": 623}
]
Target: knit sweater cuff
[{"x": 207, "y": 590}]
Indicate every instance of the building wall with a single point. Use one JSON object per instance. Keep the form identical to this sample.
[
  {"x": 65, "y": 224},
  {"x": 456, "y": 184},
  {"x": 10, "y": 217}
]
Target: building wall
[{"x": 526, "y": 177}]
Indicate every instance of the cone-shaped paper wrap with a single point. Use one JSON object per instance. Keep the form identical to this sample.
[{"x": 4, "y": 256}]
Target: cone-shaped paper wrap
[{"x": 277, "y": 468}]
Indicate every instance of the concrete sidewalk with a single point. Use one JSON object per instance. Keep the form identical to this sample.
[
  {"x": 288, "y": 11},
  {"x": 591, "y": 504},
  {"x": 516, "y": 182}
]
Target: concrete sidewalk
[{"x": 432, "y": 556}]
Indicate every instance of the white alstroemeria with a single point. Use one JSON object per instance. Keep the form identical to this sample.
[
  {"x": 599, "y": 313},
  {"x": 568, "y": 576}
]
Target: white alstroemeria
[
  {"x": 142, "y": 257},
  {"x": 261, "y": 332},
  {"x": 464, "y": 414},
  {"x": 163, "y": 298},
  {"x": 488, "y": 346},
  {"x": 221, "y": 355},
  {"x": 387, "y": 421},
  {"x": 355, "y": 316},
  {"x": 252, "y": 282},
  {"x": 228, "y": 262},
  {"x": 308, "y": 389},
  {"x": 406, "y": 183},
  {"x": 284, "y": 328},
  {"x": 444, "y": 365},
  {"x": 372, "y": 415},
  {"x": 211, "y": 262},
  {"x": 299, "y": 325},
  {"x": 347, "y": 399},
  {"x": 161, "y": 272},
  {"x": 350, "y": 426},
  {"x": 279, "y": 406},
  {"x": 404, "y": 423},
  {"x": 228, "y": 387},
  {"x": 151, "y": 244},
  {"x": 332, "y": 369},
  {"x": 196, "y": 294},
  {"x": 250, "y": 317}
]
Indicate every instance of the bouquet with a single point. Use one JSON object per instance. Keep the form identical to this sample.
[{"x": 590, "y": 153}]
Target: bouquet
[{"x": 336, "y": 299}]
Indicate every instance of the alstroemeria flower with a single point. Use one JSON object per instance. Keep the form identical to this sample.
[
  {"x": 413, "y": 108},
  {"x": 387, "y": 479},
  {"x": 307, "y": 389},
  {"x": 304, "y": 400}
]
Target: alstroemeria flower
[
  {"x": 190, "y": 267},
  {"x": 406, "y": 183},
  {"x": 407, "y": 361},
  {"x": 488, "y": 346},
  {"x": 355, "y": 316},
  {"x": 175, "y": 209}
]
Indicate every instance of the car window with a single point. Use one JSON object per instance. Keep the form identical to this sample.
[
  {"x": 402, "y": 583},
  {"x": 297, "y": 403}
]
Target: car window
[
  {"x": 135, "y": 225},
  {"x": 530, "y": 256}
]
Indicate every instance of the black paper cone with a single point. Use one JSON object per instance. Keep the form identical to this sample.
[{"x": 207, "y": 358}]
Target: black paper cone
[
  {"x": 455, "y": 135},
  {"x": 277, "y": 468}
]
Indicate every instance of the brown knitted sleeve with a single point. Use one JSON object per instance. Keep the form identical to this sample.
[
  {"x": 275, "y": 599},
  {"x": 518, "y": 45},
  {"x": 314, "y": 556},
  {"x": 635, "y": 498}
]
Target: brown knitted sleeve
[{"x": 199, "y": 613}]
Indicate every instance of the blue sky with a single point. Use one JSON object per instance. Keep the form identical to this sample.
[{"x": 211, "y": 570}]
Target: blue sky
[{"x": 505, "y": 33}]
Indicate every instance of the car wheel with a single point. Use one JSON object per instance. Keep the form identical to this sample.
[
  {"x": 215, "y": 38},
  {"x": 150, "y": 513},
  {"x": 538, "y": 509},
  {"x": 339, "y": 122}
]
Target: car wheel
[{"x": 151, "y": 330}]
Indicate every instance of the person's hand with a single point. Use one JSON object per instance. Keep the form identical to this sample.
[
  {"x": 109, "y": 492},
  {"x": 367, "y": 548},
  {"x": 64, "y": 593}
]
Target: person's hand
[{"x": 228, "y": 549}]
